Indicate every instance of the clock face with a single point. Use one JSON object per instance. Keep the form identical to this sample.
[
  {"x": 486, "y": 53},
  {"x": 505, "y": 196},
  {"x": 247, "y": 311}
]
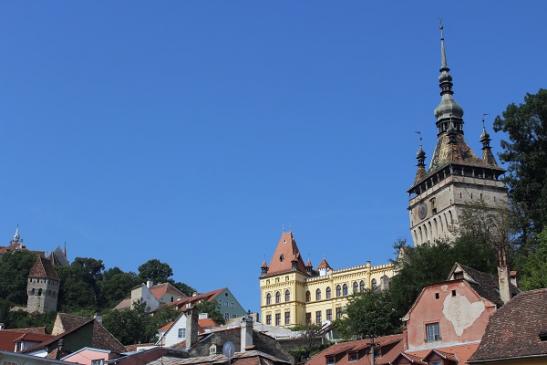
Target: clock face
[{"x": 422, "y": 211}]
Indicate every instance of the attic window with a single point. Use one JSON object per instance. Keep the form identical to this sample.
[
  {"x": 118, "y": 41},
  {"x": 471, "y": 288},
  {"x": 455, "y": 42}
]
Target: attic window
[
  {"x": 543, "y": 335},
  {"x": 353, "y": 356},
  {"x": 281, "y": 257},
  {"x": 331, "y": 360},
  {"x": 436, "y": 295},
  {"x": 454, "y": 293},
  {"x": 458, "y": 275}
]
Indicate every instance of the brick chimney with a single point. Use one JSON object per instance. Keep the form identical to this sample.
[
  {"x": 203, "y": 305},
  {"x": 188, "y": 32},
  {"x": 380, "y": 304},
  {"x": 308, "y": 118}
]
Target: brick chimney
[
  {"x": 191, "y": 326},
  {"x": 513, "y": 278},
  {"x": 503, "y": 275},
  {"x": 246, "y": 333}
]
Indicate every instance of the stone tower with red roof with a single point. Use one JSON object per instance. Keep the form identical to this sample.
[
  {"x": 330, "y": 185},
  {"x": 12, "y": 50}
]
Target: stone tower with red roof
[{"x": 42, "y": 287}]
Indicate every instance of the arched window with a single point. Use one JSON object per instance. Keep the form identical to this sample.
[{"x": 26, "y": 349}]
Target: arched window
[
  {"x": 268, "y": 299},
  {"x": 308, "y": 296},
  {"x": 373, "y": 284},
  {"x": 338, "y": 290},
  {"x": 318, "y": 294},
  {"x": 32, "y": 291},
  {"x": 287, "y": 295},
  {"x": 361, "y": 286},
  {"x": 355, "y": 287},
  {"x": 345, "y": 289},
  {"x": 39, "y": 291},
  {"x": 277, "y": 297},
  {"x": 327, "y": 292}
]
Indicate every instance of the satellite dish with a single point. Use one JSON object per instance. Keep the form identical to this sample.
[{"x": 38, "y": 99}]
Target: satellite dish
[{"x": 228, "y": 349}]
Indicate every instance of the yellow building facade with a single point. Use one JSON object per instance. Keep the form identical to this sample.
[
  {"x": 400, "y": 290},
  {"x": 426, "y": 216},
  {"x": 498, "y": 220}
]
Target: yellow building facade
[{"x": 293, "y": 293}]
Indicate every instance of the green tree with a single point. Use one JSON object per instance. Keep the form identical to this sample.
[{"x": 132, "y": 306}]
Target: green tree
[
  {"x": 525, "y": 153},
  {"x": 369, "y": 315},
  {"x": 310, "y": 342},
  {"x": 79, "y": 288},
  {"x": 116, "y": 285},
  {"x": 131, "y": 326},
  {"x": 14, "y": 269},
  {"x": 155, "y": 270},
  {"x": 212, "y": 310},
  {"x": 534, "y": 270}
]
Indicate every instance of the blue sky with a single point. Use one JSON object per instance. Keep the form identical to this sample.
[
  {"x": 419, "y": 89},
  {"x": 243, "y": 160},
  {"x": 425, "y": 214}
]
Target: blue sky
[{"x": 194, "y": 131}]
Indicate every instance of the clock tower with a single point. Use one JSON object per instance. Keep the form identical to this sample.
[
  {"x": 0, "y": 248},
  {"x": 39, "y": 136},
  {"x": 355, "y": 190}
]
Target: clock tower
[{"x": 456, "y": 178}]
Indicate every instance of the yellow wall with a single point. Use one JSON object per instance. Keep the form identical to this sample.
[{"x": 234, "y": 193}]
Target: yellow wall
[{"x": 298, "y": 284}]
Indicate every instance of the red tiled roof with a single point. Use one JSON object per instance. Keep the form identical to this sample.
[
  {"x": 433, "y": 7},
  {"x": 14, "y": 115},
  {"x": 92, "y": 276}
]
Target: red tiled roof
[
  {"x": 208, "y": 296},
  {"x": 43, "y": 268},
  {"x": 513, "y": 331},
  {"x": 285, "y": 254},
  {"x": 461, "y": 353},
  {"x": 206, "y": 323},
  {"x": 8, "y": 338},
  {"x": 390, "y": 347},
  {"x": 413, "y": 359},
  {"x": 38, "y": 330},
  {"x": 166, "y": 327},
  {"x": 160, "y": 290}
]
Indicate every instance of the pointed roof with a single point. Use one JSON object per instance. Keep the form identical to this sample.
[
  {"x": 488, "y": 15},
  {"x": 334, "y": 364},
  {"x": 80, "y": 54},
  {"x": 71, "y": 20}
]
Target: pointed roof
[
  {"x": 43, "y": 268},
  {"x": 324, "y": 265},
  {"x": 285, "y": 254}
]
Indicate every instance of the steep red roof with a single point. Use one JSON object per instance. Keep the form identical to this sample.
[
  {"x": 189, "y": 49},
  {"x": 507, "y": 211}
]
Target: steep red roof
[
  {"x": 159, "y": 290},
  {"x": 285, "y": 254},
  {"x": 324, "y": 265},
  {"x": 43, "y": 268}
]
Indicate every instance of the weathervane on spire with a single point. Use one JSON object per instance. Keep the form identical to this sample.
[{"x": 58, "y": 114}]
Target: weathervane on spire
[
  {"x": 443, "y": 48},
  {"x": 484, "y": 115},
  {"x": 419, "y": 133}
]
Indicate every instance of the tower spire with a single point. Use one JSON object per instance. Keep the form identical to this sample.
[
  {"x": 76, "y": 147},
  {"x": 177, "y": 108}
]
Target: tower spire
[
  {"x": 448, "y": 112},
  {"x": 487, "y": 155}
]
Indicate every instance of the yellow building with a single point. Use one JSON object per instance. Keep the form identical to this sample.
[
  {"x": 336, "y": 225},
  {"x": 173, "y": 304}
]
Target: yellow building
[{"x": 293, "y": 293}]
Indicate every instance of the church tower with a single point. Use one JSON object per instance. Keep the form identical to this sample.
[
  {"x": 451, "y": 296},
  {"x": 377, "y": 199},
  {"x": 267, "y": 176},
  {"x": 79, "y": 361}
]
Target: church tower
[
  {"x": 456, "y": 178},
  {"x": 42, "y": 287}
]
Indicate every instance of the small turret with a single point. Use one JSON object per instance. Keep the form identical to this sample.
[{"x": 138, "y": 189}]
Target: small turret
[
  {"x": 309, "y": 266},
  {"x": 487, "y": 155},
  {"x": 264, "y": 267},
  {"x": 420, "y": 157}
]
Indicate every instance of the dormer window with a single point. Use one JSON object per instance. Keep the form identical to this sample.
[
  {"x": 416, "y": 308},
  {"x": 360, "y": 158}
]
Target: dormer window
[
  {"x": 281, "y": 257},
  {"x": 331, "y": 360},
  {"x": 353, "y": 356},
  {"x": 458, "y": 275}
]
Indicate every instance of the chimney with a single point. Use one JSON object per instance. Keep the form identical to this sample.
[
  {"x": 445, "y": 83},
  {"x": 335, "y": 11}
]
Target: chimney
[
  {"x": 194, "y": 294},
  {"x": 503, "y": 275},
  {"x": 191, "y": 326},
  {"x": 149, "y": 284},
  {"x": 246, "y": 333},
  {"x": 203, "y": 316},
  {"x": 97, "y": 317},
  {"x": 513, "y": 278}
]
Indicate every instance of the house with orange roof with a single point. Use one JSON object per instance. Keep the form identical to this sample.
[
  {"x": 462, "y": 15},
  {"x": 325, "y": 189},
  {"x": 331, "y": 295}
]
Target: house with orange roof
[{"x": 152, "y": 295}]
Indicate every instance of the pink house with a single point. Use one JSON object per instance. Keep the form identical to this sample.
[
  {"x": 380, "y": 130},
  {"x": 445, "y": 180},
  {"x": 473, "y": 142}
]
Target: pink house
[
  {"x": 90, "y": 356},
  {"x": 448, "y": 319}
]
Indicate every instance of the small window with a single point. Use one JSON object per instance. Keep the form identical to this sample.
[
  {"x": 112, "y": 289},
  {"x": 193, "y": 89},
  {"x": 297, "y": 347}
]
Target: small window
[
  {"x": 432, "y": 332},
  {"x": 277, "y": 297},
  {"x": 355, "y": 287},
  {"x": 182, "y": 333},
  {"x": 453, "y": 292},
  {"x": 287, "y": 295},
  {"x": 278, "y": 319},
  {"x": 268, "y": 299},
  {"x": 318, "y": 317},
  {"x": 97, "y": 362},
  {"x": 331, "y": 360},
  {"x": 268, "y": 319},
  {"x": 345, "y": 289},
  {"x": 281, "y": 257},
  {"x": 338, "y": 312},
  {"x": 436, "y": 295},
  {"x": 287, "y": 318},
  {"x": 308, "y": 317},
  {"x": 318, "y": 294},
  {"x": 212, "y": 349},
  {"x": 308, "y": 296},
  {"x": 353, "y": 356},
  {"x": 328, "y": 314},
  {"x": 338, "y": 290},
  {"x": 361, "y": 286},
  {"x": 327, "y": 292}
]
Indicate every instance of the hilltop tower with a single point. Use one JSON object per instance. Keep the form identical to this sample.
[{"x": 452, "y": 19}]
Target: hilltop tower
[
  {"x": 295, "y": 293},
  {"x": 456, "y": 178},
  {"x": 42, "y": 287}
]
